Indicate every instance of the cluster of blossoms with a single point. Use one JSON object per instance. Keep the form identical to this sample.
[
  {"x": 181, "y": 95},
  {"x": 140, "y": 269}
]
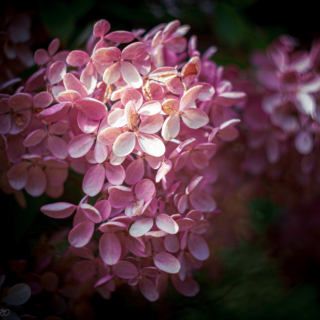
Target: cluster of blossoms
[
  {"x": 278, "y": 144},
  {"x": 142, "y": 124}
]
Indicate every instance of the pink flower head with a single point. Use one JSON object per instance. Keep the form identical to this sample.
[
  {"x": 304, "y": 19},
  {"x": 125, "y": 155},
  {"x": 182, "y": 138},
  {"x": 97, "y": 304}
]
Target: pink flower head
[{"x": 185, "y": 109}]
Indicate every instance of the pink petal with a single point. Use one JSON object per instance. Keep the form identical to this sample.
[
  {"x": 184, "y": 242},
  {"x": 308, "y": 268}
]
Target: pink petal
[
  {"x": 130, "y": 75},
  {"x": 148, "y": 289},
  {"x": 94, "y": 180},
  {"x": 170, "y": 28},
  {"x": 194, "y": 118},
  {"x": 100, "y": 152},
  {"x": 56, "y": 177},
  {"x": 188, "y": 287},
  {"x": 80, "y": 145},
  {"x": 124, "y": 144},
  {"x": 54, "y": 113},
  {"x": 305, "y": 103},
  {"x": 193, "y": 183},
  {"x": 57, "y": 72},
  {"x": 171, "y": 127},
  {"x": 42, "y": 100},
  {"x": 151, "y": 124},
  {"x": 151, "y": 144},
  {"x": 228, "y": 99},
  {"x": 59, "y": 210},
  {"x": 175, "y": 86},
  {"x": 104, "y": 209},
  {"x": 72, "y": 83},
  {"x": 83, "y": 270},
  {"x": 120, "y": 36},
  {"x": 100, "y": 28},
  {"x": 135, "y": 171},
  {"x": 150, "y": 108},
  {"x": 132, "y": 95},
  {"x": 34, "y": 138},
  {"x": 143, "y": 63},
  {"x": 91, "y": 212},
  {"x": 176, "y": 45},
  {"x": 163, "y": 170},
  {"x": 201, "y": 201},
  {"x": 85, "y": 124},
  {"x": 125, "y": 270},
  {"x": 92, "y": 108},
  {"x": 89, "y": 77},
  {"x": 41, "y": 57},
  {"x": 106, "y": 56},
  {"x": 112, "y": 74},
  {"x": 77, "y": 58},
  {"x": 150, "y": 271},
  {"x": 53, "y": 46},
  {"x": 181, "y": 161},
  {"x": 166, "y": 262},
  {"x": 183, "y": 204},
  {"x": 37, "y": 181},
  {"x": 81, "y": 234},
  {"x": 57, "y": 146},
  {"x": 5, "y": 123},
  {"x": 185, "y": 224},
  {"x": 145, "y": 189},
  {"x": 108, "y": 136},
  {"x": 36, "y": 80},
  {"x": 110, "y": 248},
  {"x": 20, "y": 101},
  {"x": 304, "y": 142},
  {"x": 154, "y": 162},
  {"x": 133, "y": 50},
  {"x": 18, "y": 175},
  {"x": 68, "y": 96},
  {"x": 114, "y": 174},
  {"x": 198, "y": 247},
  {"x": 190, "y": 97},
  {"x": 171, "y": 243},
  {"x": 167, "y": 224},
  {"x": 117, "y": 118},
  {"x": 141, "y": 227},
  {"x": 120, "y": 197}
]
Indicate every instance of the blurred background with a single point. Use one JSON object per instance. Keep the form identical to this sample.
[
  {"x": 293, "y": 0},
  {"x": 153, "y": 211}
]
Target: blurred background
[{"x": 265, "y": 259}]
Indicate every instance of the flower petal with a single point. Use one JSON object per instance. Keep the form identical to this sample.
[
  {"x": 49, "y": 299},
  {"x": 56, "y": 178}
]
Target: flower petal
[
  {"x": 166, "y": 223},
  {"x": 151, "y": 144},
  {"x": 125, "y": 270},
  {"x": 93, "y": 180},
  {"x": 59, "y": 210},
  {"x": 80, "y": 145},
  {"x": 110, "y": 248},
  {"x": 92, "y": 108},
  {"x": 124, "y": 144},
  {"x": 130, "y": 75},
  {"x": 171, "y": 127},
  {"x": 198, "y": 247},
  {"x": 166, "y": 262},
  {"x": 141, "y": 227},
  {"x": 194, "y": 118},
  {"x": 81, "y": 234}
]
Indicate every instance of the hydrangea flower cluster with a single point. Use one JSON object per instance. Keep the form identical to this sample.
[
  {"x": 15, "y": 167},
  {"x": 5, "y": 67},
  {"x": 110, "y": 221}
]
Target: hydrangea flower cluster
[
  {"x": 140, "y": 117},
  {"x": 279, "y": 137}
]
